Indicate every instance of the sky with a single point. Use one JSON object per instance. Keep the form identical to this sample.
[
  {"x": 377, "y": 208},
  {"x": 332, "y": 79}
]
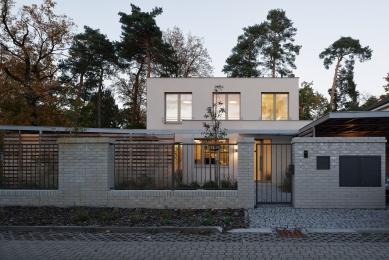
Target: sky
[{"x": 220, "y": 22}]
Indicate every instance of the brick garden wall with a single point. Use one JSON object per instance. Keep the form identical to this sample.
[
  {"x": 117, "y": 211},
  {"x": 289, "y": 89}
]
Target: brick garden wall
[
  {"x": 320, "y": 188},
  {"x": 86, "y": 178}
]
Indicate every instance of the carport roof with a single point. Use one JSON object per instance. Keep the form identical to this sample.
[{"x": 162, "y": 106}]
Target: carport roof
[{"x": 354, "y": 123}]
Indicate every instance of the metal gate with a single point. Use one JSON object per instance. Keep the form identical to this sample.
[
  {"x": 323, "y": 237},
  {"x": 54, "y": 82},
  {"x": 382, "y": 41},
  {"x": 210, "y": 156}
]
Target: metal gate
[{"x": 273, "y": 172}]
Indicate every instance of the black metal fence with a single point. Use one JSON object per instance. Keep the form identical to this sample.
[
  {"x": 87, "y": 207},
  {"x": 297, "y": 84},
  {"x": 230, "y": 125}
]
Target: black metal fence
[
  {"x": 140, "y": 166},
  {"x": 29, "y": 166},
  {"x": 273, "y": 173}
]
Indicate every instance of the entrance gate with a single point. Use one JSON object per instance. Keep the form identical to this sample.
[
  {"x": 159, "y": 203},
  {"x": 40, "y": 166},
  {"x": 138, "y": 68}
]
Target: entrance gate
[{"x": 273, "y": 176}]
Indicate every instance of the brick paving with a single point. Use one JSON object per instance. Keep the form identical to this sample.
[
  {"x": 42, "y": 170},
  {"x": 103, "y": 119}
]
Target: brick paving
[
  {"x": 190, "y": 250},
  {"x": 67, "y": 245}
]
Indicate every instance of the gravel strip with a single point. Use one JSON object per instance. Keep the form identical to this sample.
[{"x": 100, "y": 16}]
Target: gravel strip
[{"x": 288, "y": 217}]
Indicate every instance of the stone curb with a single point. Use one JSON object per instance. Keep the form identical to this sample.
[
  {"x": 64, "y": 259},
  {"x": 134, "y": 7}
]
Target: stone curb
[
  {"x": 251, "y": 230},
  {"x": 212, "y": 229},
  {"x": 313, "y": 230}
]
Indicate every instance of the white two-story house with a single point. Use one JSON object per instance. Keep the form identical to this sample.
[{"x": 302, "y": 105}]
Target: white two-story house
[{"x": 264, "y": 108}]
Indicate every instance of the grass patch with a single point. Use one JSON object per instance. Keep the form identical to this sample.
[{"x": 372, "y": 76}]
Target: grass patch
[
  {"x": 136, "y": 216},
  {"x": 227, "y": 220},
  {"x": 208, "y": 222},
  {"x": 166, "y": 222},
  {"x": 151, "y": 231},
  {"x": 167, "y": 213},
  {"x": 82, "y": 216},
  {"x": 205, "y": 232}
]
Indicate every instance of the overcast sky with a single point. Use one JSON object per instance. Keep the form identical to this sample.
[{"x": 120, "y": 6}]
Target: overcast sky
[{"x": 220, "y": 22}]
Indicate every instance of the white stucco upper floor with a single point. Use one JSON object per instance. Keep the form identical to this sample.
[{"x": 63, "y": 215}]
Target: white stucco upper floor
[{"x": 251, "y": 92}]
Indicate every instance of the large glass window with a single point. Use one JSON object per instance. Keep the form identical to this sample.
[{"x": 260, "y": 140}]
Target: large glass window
[
  {"x": 178, "y": 106},
  {"x": 231, "y": 104},
  {"x": 209, "y": 152},
  {"x": 275, "y": 106}
]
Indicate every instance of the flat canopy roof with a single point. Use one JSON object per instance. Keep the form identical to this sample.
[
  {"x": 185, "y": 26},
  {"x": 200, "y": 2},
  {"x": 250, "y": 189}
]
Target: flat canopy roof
[{"x": 353, "y": 123}]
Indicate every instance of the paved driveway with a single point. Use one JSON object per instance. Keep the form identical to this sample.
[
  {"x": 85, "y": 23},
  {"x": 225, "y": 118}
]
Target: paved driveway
[{"x": 287, "y": 217}]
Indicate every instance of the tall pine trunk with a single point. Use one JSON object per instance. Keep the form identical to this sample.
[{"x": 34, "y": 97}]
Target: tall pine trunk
[
  {"x": 334, "y": 85},
  {"x": 99, "y": 112}
]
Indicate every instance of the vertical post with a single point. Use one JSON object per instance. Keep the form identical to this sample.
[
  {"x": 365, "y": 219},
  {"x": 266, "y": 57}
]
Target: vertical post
[
  {"x": 173, "y": 166},
  {"x": 246, "y": 172}
]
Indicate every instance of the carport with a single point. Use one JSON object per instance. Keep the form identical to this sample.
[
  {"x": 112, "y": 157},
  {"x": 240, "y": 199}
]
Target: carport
[
  {"x": 351, "y": 124},
  {"x": 360, "y": 124}
]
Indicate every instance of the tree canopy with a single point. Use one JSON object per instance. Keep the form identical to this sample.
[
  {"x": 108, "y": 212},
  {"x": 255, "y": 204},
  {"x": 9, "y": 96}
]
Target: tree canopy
[
  {"x": 141, "y": 38},
  {"x": 265, "y": 49},
  {"x": 346, "y": 48},
  {"x": 31, "y": 42},
  {"x": 190, "y": 56},
  {"x": 312, "y": 104}
]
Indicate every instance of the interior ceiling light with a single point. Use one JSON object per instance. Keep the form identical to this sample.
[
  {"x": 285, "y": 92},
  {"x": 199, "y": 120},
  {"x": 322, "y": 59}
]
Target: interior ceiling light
[
  {"x": 233, "y": 102},
  {"x": 187, "y": 102}
]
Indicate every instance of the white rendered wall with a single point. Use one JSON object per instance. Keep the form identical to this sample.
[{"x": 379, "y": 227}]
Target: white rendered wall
[{"x": 250, "y": 90}]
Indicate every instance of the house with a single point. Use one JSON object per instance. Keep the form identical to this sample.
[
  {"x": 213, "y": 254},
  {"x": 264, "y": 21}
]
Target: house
[
  {"x": 337, "y": 161},
  {"x": 266, "y": 109},
  {"x": 261, "y": 107}
]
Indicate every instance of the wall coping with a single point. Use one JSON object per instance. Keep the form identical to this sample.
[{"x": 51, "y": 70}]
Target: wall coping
[
  {"x": 246, "y": 140},
  {"x": 339, "y": 140},
  {"x": 83, "y": 140}
]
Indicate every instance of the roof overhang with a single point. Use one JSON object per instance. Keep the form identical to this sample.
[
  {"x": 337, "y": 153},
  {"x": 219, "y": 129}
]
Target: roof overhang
[{"x": 353, "y": 123}]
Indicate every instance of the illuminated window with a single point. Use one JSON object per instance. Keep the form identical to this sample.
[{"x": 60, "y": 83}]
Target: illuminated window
[
  {"x": 209, "y": 152},
  {"x": 275, "y": 106},
  {"x": 178, "y": 106},
  {"x": 231, "y": 104}
]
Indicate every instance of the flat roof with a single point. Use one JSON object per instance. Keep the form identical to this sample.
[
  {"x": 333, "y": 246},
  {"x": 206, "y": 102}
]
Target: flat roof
[
  {"x": 379, "y": 103},
  {"x": 53, "y": 129},
  {"x": 350, "y": 123}
]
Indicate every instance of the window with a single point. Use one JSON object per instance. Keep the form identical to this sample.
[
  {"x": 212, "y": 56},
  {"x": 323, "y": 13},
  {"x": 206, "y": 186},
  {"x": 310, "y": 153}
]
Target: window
[
  {"x": 208, "y": 152},
  {"x": 178, "y": 106},
  {"x": 231, "y": 104},
  {"x": 275, "y": 106}
]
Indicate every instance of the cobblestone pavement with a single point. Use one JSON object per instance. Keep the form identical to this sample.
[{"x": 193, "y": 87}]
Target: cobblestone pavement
[
  {"x": 66, "y": 245},
  {"x": 288, "y": 217},
  {"x": 190, "y": 250}
]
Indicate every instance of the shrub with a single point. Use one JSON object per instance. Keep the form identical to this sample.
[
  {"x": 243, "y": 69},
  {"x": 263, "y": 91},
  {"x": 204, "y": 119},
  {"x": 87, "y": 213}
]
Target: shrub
[
  {"x": 136, "y": 216},
  {"x": 82, "y": 216},
  {"x": 286, "y": 182},
  {"x": 228, "y": 183},
  {"x": 210, "y": 185},
  {"x": 142, "y": 182},
  {"x": 192, "y": 185},
  {"x": 227, "y": 220},
  {"x": 167, "y": 213},
  {"x": 208, "y": 222}
]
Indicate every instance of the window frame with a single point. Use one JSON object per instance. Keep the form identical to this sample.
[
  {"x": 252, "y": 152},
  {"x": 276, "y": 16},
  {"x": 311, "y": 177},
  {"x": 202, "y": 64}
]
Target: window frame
[
  {"x": 179, "y": 118},
  {"x": 274, "y": 116},
  {"x": 226, "y": 101},
  {"x": 204, "y": 151}
]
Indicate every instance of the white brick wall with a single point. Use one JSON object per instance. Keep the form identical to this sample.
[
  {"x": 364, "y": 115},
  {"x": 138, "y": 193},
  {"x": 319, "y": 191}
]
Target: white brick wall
[
  {"x": 28, "y": 197},
  {"x": 85, "y": 167},
  {"x": 320, "y": 188},
  {"x": 86, "y": 176}
]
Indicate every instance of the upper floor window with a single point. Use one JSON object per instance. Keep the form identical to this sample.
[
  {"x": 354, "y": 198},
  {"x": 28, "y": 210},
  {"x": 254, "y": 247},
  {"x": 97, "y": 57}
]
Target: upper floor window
[
  {"x": 178, "y": 106},
  {"x": 231, "y": 105},
  {"x": 275, "y": 106}
]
